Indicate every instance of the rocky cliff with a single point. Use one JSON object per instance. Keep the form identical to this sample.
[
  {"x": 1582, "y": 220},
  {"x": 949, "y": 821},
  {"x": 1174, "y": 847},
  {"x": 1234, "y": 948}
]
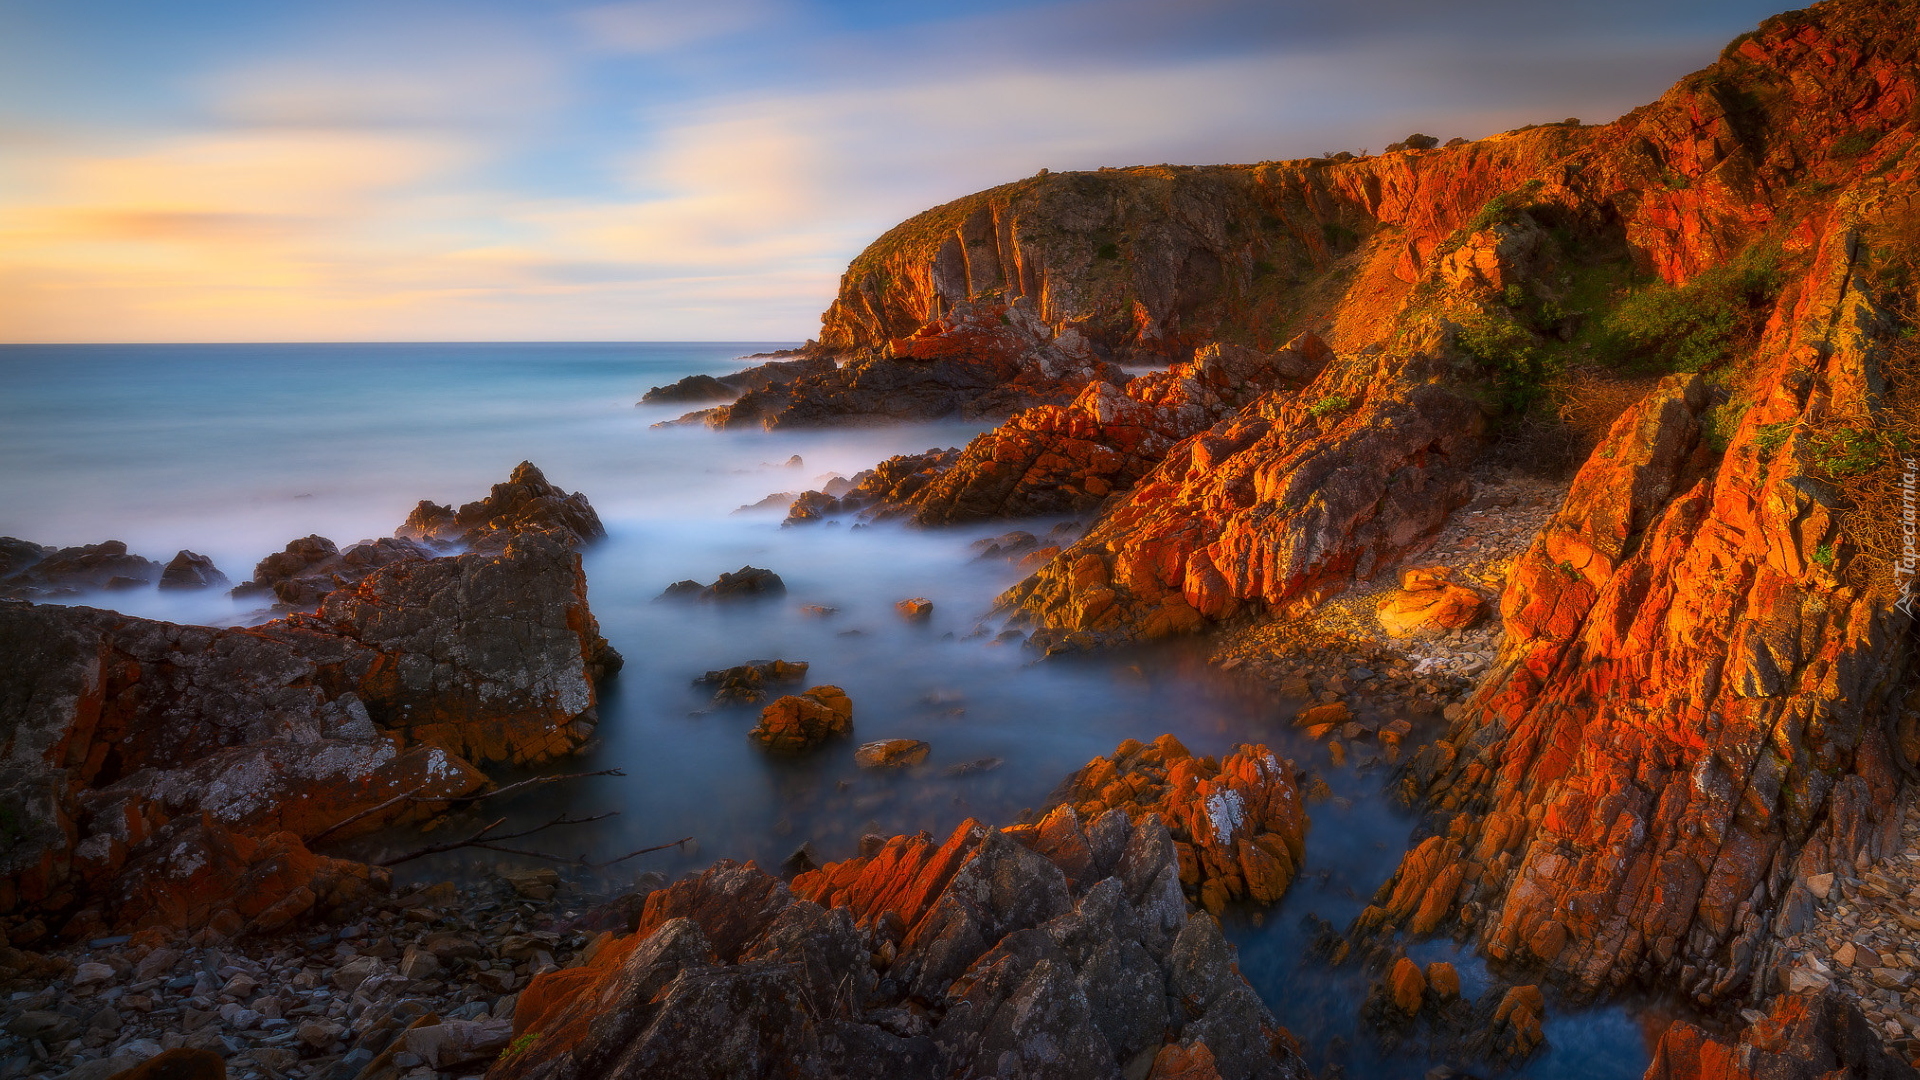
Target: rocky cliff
[{"x": 1700, "y": 700}]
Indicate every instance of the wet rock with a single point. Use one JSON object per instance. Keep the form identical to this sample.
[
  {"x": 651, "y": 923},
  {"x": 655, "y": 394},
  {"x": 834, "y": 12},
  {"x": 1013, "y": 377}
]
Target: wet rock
[
  {"x": 746, "y": 583},
  {"x": 1238, "y": 824},
  {"x": 93, "y": 566},
  {"x": 891, "y": 754},
  {"x": 192, "y": 571},
  {"x": 917, "y": 609},
  {"x": 746, "y": 683},
  {"x": 799, "y": 722},
  {"x": 877, "y": 493},
  {"x": 527, "y": 503},
  {"x": 697, "y": 388},
  {"x": 1407, "y": 986}
]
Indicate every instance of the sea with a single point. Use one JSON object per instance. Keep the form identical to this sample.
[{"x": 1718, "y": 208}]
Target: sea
[{"x": 232, "y": 450}]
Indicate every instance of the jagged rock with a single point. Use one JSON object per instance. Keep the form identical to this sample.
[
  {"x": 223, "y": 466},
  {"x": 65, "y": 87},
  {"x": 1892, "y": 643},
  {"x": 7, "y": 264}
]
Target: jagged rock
[
  {"x": 746, "y": 683},
  {"x": 1008, "y": 967},
  {"x": 695, "y": 388},
  {"x": 878, "y": 492},
  {"x": 526, "y": 503},
  {"x": 121, "y": 732},
  {"x": 799, "y": 722},
  {"x": 916, "y": 609},
  {"x": 1068, "y": 458},
  {"x": 746, "y": 583},
  {"x": 189, "y": 570},
  {"x": 975, "y": 360},
  {"x": 106, "y": 565},
  {"x": 1238, "y": 825},
  {"x": 1799, "y": 1038}
]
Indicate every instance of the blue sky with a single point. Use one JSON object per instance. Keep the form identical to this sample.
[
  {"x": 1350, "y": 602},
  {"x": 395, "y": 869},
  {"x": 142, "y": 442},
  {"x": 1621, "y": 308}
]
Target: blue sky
[{"x": 549, "y": 170}]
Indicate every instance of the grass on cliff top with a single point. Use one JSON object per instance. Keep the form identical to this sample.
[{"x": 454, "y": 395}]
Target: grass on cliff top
[{"x": 1863, "y": 456}]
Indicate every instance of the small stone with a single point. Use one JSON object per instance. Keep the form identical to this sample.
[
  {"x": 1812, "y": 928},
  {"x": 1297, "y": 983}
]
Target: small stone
[
  {"x": 354, "y": 972},
  {"x": 419, "y": 963},
  {"x": 92, "y": 974},
  {"x": 1820, "y": 885},
  {"x": 916, "y": 609}
]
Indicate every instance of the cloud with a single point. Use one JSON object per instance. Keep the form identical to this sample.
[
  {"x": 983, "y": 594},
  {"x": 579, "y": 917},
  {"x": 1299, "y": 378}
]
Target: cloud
[{"x": 659, "y": 26}]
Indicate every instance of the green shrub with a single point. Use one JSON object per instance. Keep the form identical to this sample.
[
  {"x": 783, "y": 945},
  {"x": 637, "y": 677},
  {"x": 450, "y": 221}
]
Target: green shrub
[
  {"x": 1107, "y": 251},
  {"x": 1855, "y": 144},
  {"x": 1693, "y": 326},
  {"x": 1519, "y": 368},
  {"x": 1328, "y": 405}
]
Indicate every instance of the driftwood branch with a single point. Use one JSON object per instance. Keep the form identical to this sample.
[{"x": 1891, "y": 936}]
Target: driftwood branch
[
  {"x": 404, "y": 796},
  {"x": 413, "y": 795},
  {"x": 511, "y": 788},
  {"x": 488, "y": 840}
]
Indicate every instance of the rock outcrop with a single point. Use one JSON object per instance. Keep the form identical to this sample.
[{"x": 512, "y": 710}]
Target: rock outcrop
[
  {"x": 28, "y": 570},
  {"x": 972, "y": 957},
  {"x": 1799, "y": 1038},
  {"x": 695, "y": 388},
  {"x": 526, "y": 503},
  {"x": 797, "y": 723},
  {"x": 1691, "y": 712},
  {"x": 1063, "y": 459},
  {"x": 1238, "y": 826},
  {"x": 975, "y": 360},
  {"x": 156, "y": 774}
]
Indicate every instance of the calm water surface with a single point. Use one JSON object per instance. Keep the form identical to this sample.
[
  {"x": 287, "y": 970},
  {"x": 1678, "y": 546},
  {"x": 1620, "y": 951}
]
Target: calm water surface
[{"x": 232, "y": 450}]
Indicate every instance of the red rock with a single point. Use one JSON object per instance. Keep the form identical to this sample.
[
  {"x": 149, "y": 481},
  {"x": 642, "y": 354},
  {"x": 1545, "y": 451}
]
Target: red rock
[
  {"x": 1800, "y": 1038},
  {"x": 891, "y": 754},
  {"x": 180, "y": 1063},
  {"x": 1192, "y": 1062},
  {"x": 1443, "y": 980},
  {"x": 915, "y": 610},
  {"x": 1407, "y": 986},
  {"x": 799, "y": 722},
  {"x": 1239, "y": 822},
  {"x": 526, "y": 503},
  {"x": 1430, "y": 609}
]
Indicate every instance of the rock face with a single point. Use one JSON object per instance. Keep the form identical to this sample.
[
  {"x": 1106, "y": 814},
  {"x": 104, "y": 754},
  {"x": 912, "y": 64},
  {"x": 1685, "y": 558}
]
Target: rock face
[
  {"x": 1238, "y": 826},
  {"x": 975, "y": 360},
  {"x": 1689, "y": 716},
  {"x": 1269, "y": 511},
  {"x": 155, "y": 774},
  {"x": 975, "y": 957},
  {"x": 878, "y": 492},
  {"x": 1800, "y": 1038},
  {"x": 1064, "y": 459}
]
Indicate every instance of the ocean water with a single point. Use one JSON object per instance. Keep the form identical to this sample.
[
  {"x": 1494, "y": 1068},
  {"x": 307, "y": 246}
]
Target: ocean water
[{"x": 232, "y": 450}]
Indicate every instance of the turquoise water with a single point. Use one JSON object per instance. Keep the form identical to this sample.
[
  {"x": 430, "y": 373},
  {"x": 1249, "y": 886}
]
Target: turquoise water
[{"x": 232, "y": 450}]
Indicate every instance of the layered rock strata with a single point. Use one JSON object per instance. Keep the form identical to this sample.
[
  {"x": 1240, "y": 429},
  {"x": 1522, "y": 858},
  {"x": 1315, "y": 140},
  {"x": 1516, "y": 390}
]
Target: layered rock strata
[
  {"x": 972, "y": 957},
  {"x": 1693, "y": 710},
  {"x": 1238, "y": 825}
]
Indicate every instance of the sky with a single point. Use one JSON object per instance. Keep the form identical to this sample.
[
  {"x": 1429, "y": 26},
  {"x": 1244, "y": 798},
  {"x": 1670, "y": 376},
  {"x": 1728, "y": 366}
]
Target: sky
[{"x": 419, "y": 170}]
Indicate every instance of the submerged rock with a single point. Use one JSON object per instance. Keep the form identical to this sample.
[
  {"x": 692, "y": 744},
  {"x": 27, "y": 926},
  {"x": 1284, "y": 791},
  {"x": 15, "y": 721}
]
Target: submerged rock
[
  {"x": 106, "y": 565},
  {"x": 891, "y": 754},
  {"x": 746, "y": 683}
]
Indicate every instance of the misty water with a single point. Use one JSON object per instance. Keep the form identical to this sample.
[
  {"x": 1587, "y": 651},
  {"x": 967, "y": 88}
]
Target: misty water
[{"x": 232, "y": 450}]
